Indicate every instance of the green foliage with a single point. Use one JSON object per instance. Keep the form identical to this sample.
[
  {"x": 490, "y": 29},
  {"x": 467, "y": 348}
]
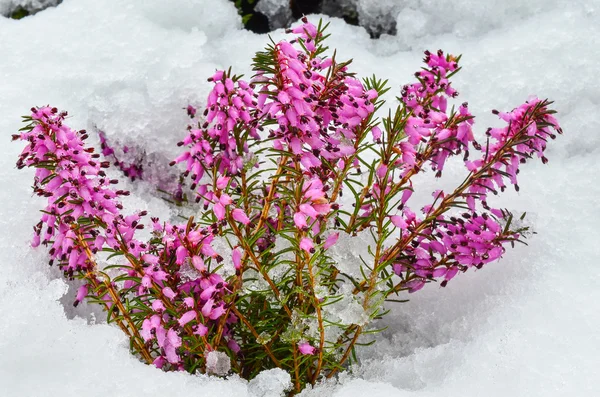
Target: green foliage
[{"x": 19, "y": 13}]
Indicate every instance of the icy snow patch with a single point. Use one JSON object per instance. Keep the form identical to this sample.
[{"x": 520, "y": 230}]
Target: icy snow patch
[
  {"x": 272, "y": 383},
  {"x": 217, "y": 363}
]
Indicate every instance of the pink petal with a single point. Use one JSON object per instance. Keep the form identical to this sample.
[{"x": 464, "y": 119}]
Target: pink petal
[
  {"x": 201, "y": 330},
  {"x": 398, "y": 221},
  {"x": 306, "y": 244},
  {"x": 187, "y": 317},
  {"x": 168, "y": 292},
  {"x": 240, "y": 216},
  {"x": 306, "y": 348},
  {"x": 331, "y": 240},
  {"x": 300, "y": 220},
  {"x": 198, "y": 263},
  {"x": 237, "y": 258},
  {"x": 219, "y": 211}
]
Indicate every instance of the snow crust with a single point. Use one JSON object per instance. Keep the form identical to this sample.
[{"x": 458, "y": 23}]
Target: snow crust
[{"x": 525, "y": 326}]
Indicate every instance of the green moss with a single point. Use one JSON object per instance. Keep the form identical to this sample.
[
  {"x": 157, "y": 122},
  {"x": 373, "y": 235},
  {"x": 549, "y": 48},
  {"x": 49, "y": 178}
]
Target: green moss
[{"x": 19, "y": 13}]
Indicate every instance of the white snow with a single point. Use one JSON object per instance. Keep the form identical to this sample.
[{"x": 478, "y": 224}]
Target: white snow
[
  {"x": 270, "y": 383},
  {"x": 525, "y": 326}
]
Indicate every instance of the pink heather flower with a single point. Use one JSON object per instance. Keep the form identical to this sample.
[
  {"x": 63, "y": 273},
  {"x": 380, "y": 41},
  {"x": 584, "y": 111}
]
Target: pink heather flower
[
  {"x": 309, "y": 210},
  {"x": 300, "y": 220},
  {"x": 233, "y": 346},
  {"x": 158, "y": 306},
  {"x": 406, "y": 194},
  {"x": 439, "y": 272},
  {"x": 229, "y": 105},
  {"x": 181, "y": 253},
  {"x": 201, "y": 330},
  {"x": 222, "y": 182},
  {"x": 331, "y": 240},
  {"x": 208, "y": 307},
  {"x": 316, "y": 111},
  {"x": 217, "y": 312},
  {"x": 75, "y": 186},
  {"x": 146, "y": 281},
  {"x": 191, "y": 111},
  {"x": 437, "y": 247},
  {"x": 447, "y": 134},
  {"x": 159, "y": 276},
  {"x": 159, "y": 362},
  {"x": 240, "y": 216},
  {"x": 306, "y": 349},
  {"x": 217, "y": 76},
  {"x": 198, "y": 263},
  {"x": 382, "y": 171},
  {"x": 150, "y": 259},
  {"x": 415, "y": 285},
  {"x": 398, "y": 221},
  {"x": 219, "y": 211},
  {"x": 456, "y": 243},
  {"x": 529, "y": 127},
  {"x": 173, "y": 342},
  {"x": 161, "y": 335},
  {"x": 168, "y": 292},
  {"x": 146, "y": 331},
  {"x": 188, "y": 301},
  {"x": 451, "y": 273},
  {"x": 306, "y": 244},
  {"x": 81, "y": 294},
  {"x": 187, "y": 317},
  {"x": 376, "y": 133},
  {"x": 237, "y": 259},
  {"x": 35, "y": 242},
  {"x": 208, "y": 250},
  {"x": 225, "y": 199},
  {"x": 313, "y": 129}
]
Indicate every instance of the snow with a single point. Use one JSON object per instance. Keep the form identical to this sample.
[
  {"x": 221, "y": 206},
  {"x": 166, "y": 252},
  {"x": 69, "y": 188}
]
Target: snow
[
  {"x": 217, "y": 363},
  {"x": 524, "y": 326},
  {"x": 270, "y": 383}
]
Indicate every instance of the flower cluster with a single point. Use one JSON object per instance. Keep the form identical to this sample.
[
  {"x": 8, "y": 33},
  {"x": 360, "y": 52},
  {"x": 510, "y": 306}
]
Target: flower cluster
[
  {"x": 319, "y": 107},
  {"x": 526, "y": 134},
  {"x": 429, "y": 122},
  {"x": 76, "y": 186},
  {"x": 449, "y": 244},
  {"x": 218, "y": 141},
  {"x": 220, "y": 144},
  {"x": 132, "y": 170},
  {"x": 187, "y": 299},
  {"x": 458, "y": 243},
  {"x": 313, "y": 205},
  {"x": 83, "y": 217},
  {"x": 250, "y": 282}
]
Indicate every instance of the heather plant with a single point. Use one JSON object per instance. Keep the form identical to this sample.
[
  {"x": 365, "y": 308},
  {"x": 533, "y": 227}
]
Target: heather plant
[{"x": 278, "y": 169}]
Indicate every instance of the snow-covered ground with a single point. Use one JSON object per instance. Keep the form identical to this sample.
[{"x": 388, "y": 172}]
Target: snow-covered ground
[{"x": 525, "y": 326}]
